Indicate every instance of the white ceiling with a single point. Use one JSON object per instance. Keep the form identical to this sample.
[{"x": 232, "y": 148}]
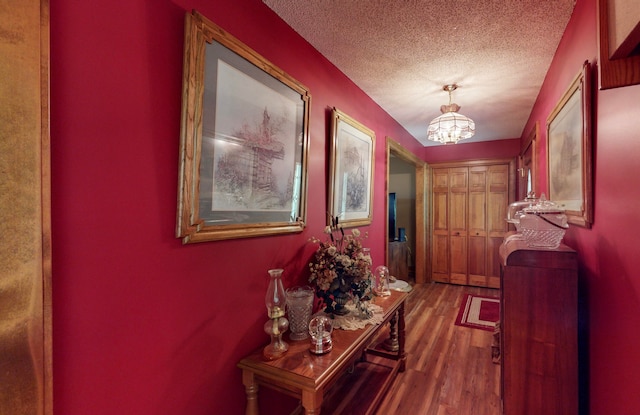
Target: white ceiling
[{"x": 402, "y": 52}]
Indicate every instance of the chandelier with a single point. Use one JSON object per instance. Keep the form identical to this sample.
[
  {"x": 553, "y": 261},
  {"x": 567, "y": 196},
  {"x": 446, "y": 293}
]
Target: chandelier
[{"x": 450, "y": 127}]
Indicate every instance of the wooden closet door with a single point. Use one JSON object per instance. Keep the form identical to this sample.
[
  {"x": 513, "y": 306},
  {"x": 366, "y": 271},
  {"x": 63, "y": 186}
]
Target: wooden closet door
[
  {"x": 478, "y": 226},
  {"x": 469, "y": 207},
  {"x": 440, "y": 242},
  {"x": 458, "y": 192},
  {"x": 497, "y": 226}
]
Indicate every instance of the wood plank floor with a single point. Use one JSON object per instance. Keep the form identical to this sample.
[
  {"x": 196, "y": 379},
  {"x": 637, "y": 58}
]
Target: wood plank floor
[{"x": 449, "y": 368}]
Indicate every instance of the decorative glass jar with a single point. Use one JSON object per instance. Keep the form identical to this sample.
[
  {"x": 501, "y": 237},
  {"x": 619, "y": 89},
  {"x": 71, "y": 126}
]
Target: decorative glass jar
[
  {"x": 381, "y": 287},
  {"x": 320, "y": 328},
  {"x": 516, "y": 209},
  {"x": 299, "y": 308},
  {"x": 544, "y": 224}
]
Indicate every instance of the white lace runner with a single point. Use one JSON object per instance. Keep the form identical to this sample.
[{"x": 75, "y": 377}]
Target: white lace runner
[{"x": 354, "y": 321}]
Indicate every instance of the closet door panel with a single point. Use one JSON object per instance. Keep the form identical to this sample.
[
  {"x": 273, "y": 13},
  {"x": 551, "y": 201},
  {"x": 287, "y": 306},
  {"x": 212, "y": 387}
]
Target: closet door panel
[
  {"x": 440, "y": 213},
  {"x": 440, "y": 258},
  {"x": 458, "y": 225},
  {"x": 440, "y": 180},
  {"x": 458, "y": 214},
  {"x": 440, "y": 217},
  {"x": 477, "y": 261},
  {"x": 458, "y": 179},
  {"x": 477, "y": 239},
  {"x": 497, "y": 226},
  {"x": 459, "y": 260}
]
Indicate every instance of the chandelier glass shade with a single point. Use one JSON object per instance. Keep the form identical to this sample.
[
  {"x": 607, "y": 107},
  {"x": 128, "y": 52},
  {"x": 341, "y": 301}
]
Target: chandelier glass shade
[{"x": 451, "y": 126}]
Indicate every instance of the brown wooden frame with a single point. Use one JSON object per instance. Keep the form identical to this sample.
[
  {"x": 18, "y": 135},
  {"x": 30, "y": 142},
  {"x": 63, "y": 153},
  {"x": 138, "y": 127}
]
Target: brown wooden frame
[
  {"x": 201, "y": 214},
  {"x": 620, "y": 71},
  {"x": 572, "y": 148},
  {"x": 26, "y": 336},
  {"x": 344, "y": 131},
  {"x": 529, "y": 146},
  {"x": 423, "y": 230}
]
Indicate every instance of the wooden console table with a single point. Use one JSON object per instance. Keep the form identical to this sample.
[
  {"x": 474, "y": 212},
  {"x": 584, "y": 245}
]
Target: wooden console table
[{"x": 309, "y": 377}]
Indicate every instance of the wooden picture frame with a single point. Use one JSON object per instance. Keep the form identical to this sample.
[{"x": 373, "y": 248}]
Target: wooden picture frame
[
  {"x": 352, "y": 164},
  {"x": 528, "y": 165},
  {"x": 243, "y": 142},
  {"x": 618, "y": 43},
  {"x": 569, "y": 160}
]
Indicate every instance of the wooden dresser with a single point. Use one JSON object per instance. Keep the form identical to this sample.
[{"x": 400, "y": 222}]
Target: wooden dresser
[{"x": 539, "y": 330}]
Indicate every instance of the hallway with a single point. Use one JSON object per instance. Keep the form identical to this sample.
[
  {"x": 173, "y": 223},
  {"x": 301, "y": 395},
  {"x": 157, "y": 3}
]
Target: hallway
[{"x": 449, "y": 368}]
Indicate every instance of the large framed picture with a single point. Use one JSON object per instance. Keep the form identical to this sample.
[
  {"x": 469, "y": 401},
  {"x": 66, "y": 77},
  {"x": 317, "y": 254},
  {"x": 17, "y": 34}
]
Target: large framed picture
[
  {"x": 244, "y": 141},
  {"x": 569, "y": 160},
  {"x": 352, "y": 161}
]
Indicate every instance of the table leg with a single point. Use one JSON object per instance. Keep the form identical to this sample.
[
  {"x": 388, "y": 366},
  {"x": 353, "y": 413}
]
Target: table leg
[
  {"x": 401, "y": 338},
  {"x": 312, "y": 402},
  {"x": 251, "y": 389},
  {"x": 391, "y": 343}
]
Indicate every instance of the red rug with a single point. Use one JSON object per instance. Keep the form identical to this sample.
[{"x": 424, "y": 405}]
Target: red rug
[{"x": 479, "y": 312}]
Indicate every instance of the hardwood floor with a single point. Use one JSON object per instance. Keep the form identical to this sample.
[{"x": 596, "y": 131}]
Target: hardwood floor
[{"x": 449, "y": 368}]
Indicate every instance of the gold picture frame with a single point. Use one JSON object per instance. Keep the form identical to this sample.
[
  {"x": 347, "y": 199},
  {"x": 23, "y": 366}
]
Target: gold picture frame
[
  {"x": 569, "y": 160},
  {"x": 352, "y": 166},
  {"x": 243, "y": 143}
]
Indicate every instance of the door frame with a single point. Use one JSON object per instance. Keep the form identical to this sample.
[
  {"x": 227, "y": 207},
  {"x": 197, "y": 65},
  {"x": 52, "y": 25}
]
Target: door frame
[{"x": 421, "y": 220}]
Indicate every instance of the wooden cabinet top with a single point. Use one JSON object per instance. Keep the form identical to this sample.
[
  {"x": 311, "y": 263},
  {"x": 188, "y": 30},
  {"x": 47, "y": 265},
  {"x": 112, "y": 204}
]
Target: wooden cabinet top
[{"x": 515, "y": 252}]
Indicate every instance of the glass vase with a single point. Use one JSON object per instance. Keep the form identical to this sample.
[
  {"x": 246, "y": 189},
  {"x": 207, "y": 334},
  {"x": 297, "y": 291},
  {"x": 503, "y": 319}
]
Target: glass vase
[{"x": 299, "y": 308}]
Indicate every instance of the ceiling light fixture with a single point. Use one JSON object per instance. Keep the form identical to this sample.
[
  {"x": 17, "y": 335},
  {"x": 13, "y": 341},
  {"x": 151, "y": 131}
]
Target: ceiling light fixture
[{"x": 450, "y": 127}]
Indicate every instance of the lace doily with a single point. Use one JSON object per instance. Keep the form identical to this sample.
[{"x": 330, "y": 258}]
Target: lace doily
[{"x": 354, "y": 321}]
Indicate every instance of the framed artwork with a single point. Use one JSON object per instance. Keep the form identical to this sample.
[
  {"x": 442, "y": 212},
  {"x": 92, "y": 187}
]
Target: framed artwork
[
  {"x": 618, "y": 43},
  {"x": 351, "y": 181},
  {"x": 243, "y": 143},
  {"x": 569, "y": 160},
  {"x": 528, "y": 166}
]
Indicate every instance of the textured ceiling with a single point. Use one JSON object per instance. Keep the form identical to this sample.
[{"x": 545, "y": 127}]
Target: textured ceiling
[{"x": 402, "y": 52}]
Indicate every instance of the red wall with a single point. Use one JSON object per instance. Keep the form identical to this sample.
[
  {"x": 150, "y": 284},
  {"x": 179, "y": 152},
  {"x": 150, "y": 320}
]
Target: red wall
[
  {"x": 143, "y": 324},
  {"x": 608, "y": 252},
  {"x": 499, "y": 149}
]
